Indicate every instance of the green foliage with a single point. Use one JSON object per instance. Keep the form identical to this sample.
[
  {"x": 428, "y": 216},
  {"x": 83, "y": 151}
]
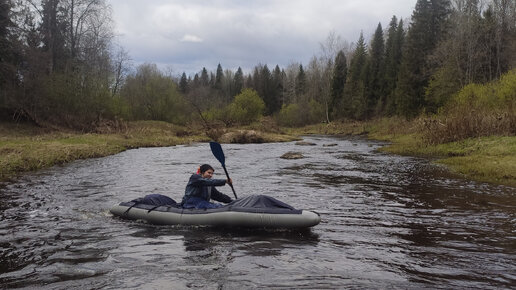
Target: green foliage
[
  {"x": 219, "y": 78},
  {"x": 50, "y": 73},
  {"x": 338, "y": 81},
  {"x": 216, "y": 114},
  {"x": 353, "y": 104},
  {"x": 296, "y": 115},
  {"x": 290, "y": 115},
  {"x": 301, "y": 81},
  {"x": 316, "y": 113},
  {"x": 443, "y": 84},
  {"x": 246, "y": 108},
  {"x": 183, "y": 84},
  {"x": 428, "y": 20},
  {"x": 154, "y": 96},
  {"x": 73, "y": 101},
  {"x": 375, "y": 84},
  {"x": 498, "y": 95},
  {"x": 477, "y": 110},
  {"x": 393, "y": 54},
  {"x": 238, "y": 82}
]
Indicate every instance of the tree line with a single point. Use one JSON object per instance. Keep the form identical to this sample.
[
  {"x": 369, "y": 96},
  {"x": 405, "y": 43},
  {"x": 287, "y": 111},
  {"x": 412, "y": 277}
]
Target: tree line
[{"x": 59, "y": 64}]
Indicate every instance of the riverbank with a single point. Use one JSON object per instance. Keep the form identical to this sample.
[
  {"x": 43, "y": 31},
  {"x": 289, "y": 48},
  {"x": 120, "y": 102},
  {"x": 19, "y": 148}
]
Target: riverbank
[
  {"x": 24, "y": 147},
  {"x": 487, "y": 159}
]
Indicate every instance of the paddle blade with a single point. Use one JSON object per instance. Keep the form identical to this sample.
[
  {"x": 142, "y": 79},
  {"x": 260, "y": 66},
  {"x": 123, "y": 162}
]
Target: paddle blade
[{"x": 216, "y": 149}]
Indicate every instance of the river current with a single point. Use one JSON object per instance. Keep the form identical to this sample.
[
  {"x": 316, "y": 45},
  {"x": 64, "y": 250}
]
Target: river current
[{"x": 387, "y": 222}]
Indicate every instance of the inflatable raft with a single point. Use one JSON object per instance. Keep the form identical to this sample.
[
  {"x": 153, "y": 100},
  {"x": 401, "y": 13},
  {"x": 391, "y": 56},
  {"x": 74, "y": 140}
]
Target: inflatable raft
[{"x": 252, "y": 211}]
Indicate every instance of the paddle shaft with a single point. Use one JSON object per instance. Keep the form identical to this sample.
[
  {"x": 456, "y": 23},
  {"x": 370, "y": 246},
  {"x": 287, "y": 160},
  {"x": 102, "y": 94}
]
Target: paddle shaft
[
  {"x": 231, "y": 185},
  {"x": 217, "y": 151}
]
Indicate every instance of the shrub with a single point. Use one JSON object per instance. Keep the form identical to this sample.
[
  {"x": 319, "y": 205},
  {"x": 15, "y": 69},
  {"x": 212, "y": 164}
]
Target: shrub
[
  {"x": 296, "y": 115},
  {"x": 290, "y": 115},
  {"x": 476, "y": 110},
  {"x": 246, "y": 108}
]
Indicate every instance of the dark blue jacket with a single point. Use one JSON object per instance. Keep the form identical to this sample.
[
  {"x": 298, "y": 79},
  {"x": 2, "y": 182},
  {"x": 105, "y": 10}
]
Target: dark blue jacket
[{"x": 203, "y": 189}]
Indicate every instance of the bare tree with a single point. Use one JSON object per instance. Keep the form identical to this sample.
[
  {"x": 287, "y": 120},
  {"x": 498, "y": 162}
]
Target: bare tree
[
  {"x": 121, "y": 62},
  {"x": 329, "y": 49}
]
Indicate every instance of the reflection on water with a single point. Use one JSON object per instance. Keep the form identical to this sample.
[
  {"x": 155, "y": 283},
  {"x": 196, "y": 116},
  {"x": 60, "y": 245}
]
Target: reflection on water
[{"x": 387, "y": 222}]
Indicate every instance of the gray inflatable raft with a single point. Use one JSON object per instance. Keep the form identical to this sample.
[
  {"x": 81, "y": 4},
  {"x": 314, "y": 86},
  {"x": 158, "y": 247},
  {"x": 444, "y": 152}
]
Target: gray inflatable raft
[{"x": 252, "y": 211}]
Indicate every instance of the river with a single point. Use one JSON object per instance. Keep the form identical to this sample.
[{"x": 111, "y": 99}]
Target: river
[{"x": 387, "y": 222}]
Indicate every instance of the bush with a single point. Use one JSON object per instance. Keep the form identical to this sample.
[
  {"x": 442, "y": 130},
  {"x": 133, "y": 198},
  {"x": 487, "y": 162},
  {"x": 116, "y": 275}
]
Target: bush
[
  {"x": 442, "y": 85},
  {"x": 246, "y": 108},
  {"x": 476, "y": 110},
  {"x": 296, "y": 115}
]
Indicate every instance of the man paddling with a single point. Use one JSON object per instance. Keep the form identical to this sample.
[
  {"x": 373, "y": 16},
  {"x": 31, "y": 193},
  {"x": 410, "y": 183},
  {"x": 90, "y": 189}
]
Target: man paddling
[{"x": 201, "y": 188}]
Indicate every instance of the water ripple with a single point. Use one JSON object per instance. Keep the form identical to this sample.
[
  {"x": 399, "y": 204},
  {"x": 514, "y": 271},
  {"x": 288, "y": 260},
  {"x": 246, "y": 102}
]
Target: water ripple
[{"x": 387, "y": 222}]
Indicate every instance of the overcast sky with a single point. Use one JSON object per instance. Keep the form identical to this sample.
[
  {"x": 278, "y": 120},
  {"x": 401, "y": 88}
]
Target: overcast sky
[{"x": 188, "y": 35}]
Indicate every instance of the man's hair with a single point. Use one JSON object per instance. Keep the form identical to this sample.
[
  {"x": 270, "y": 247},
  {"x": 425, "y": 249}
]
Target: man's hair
[{"x": 205, "y": 167}]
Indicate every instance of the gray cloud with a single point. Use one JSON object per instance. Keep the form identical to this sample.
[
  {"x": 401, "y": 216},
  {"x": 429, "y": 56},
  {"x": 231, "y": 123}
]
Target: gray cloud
[{"x": 189, "y": 35}]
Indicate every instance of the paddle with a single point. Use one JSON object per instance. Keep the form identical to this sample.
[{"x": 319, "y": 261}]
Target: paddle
[{"x": 216, "y": 149}]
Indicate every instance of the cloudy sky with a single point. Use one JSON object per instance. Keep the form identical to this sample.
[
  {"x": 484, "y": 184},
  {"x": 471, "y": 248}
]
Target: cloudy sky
[{"x": 188, "y": 35}]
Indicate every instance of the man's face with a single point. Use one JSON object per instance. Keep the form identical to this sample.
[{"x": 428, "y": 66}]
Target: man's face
[{"x": 207, "y": 174}]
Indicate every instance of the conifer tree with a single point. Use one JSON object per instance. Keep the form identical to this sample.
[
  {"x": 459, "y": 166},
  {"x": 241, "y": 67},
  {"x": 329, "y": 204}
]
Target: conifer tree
[
  {"x": 425, "y": 31},
  {"x": 218, "y": 77},
  {"x": 338, "y": 81},
  {"x": 354, "y": 102},
  {"x": 393, "y": 54},
  {"x": 196, "y": 81},
  {"x": 300, "y": 82},
  {"x": 277, "y": 83},
  {"x": 239, "y": 82},
  {"x": 205, "y": 79},
  {"x": 267, "y": 92},
  {"x": 183, "y": 84},
  {"x": 376, "y": 84}
]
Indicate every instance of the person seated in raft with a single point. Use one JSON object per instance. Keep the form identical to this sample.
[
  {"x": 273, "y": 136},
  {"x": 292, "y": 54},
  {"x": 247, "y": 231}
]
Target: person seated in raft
[{"x": 201, "y": 188}]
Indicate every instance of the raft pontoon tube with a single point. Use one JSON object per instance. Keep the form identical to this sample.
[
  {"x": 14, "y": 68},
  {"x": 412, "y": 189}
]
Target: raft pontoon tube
[{"x": 252, "y": 211}]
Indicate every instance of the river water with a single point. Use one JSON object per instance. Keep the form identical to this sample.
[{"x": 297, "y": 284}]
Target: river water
[{"x": 387, "y": 222}]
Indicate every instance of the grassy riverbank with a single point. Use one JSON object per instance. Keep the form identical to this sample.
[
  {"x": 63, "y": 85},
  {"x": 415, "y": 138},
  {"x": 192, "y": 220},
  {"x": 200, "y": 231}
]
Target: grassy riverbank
[
  {"x": 489, "y": 159},
  {"x": 25, "y": 147}
]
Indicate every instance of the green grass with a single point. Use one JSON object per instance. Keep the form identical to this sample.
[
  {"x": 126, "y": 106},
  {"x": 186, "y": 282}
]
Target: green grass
[
  {"x": 490, "y": 159},
  {"x": 487, "y": 159},
  {"x": 26, "y": 148}
]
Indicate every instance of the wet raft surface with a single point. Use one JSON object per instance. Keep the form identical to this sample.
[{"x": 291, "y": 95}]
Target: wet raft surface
[{"x": 387, "y": 221}]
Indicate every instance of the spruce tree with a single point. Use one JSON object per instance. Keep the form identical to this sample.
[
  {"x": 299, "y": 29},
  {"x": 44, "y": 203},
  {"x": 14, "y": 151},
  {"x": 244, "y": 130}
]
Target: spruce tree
[
  {"x": 218, "y": 77},
  {"x": 205, "y": 79},
  {"x": 338, "y": 81},
  {"x": 267, "y": 91},
  {"x": 393, "y": 54},
  {"x": 196, "y": 83},
  {"x": 183, "y": 84},
  {"x": 239, "y": 82},
  {"x": 300, "y": 82},
  {"x": 376, "y": 84},
  {"x": 277, "y": 82},
  {"x": 424, "y": 34},
  {"x": 354, "y": 102}
]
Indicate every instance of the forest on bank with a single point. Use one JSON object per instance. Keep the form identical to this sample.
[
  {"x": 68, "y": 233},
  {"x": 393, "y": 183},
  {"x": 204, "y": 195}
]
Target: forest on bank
[{"x": 453, "y": 62}]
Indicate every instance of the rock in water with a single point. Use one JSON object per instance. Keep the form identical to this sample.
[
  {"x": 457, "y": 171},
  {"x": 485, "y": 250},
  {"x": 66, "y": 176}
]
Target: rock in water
[
  {"x": 292, "y": 155},
  {"x": 304, "y": 143}
]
